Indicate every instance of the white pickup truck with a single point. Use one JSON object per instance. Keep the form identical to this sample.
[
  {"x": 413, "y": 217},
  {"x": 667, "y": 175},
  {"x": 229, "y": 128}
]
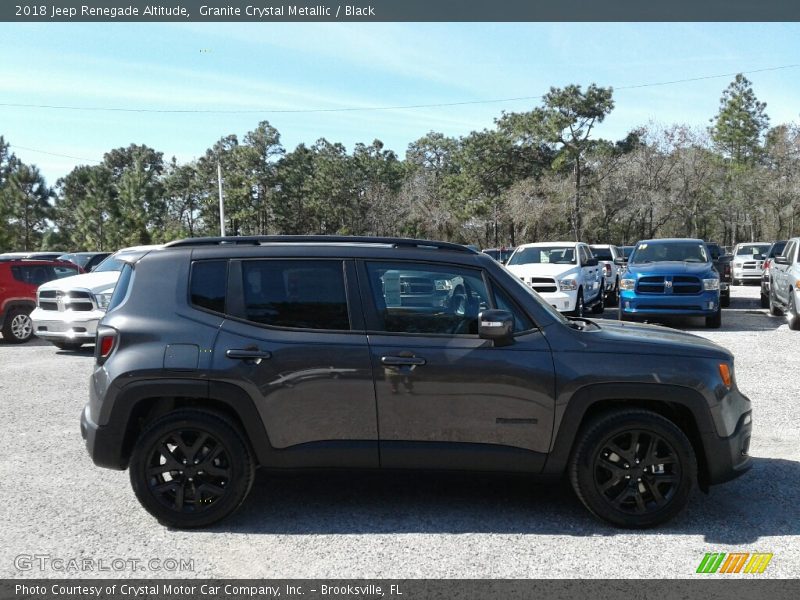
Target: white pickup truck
[
  {"x": 606, "y": 254},
  {"x": 565, "y": 274},
  {"x": 784, "y": 286}
]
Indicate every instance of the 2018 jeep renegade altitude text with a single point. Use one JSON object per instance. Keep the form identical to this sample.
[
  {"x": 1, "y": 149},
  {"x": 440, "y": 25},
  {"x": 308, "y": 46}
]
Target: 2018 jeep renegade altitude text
[{"x": 220, "y": 355}]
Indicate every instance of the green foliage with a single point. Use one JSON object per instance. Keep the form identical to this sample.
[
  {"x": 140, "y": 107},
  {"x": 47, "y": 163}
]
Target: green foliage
[{"x": 739, "y": 127}]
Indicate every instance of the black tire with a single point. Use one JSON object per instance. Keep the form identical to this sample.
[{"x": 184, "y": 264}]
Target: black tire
[
  {"x": 645, "y": 493},
  {"x": 623, "y": 316},
  {"x": 225, "y": 468},
  {"x": 18, "y": 327},
  {"x": 774, "y": 309},
  {"x": 68, "y": 345},
  {"x": 613, "y": 297},
  {"x": 600, "y": 305},
  {"x": 794, "y": 318},
  {"x": 715, "y": 320},
  {"x": 725, "y": 300},
  {"x": 764, "y": 300},
  {"x": 580, "y": 307}
]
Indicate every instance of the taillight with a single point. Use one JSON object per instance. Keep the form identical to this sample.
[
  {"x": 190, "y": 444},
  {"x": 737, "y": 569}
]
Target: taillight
[
  {"x": 607, "y": 269},
  {"x": 105, "y": 344},
  {"x": 767, "y": 263}
]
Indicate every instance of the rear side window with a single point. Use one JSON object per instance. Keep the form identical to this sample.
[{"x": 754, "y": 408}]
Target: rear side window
[
  {"x": 121, "y": 289},
  {"x": 208, "y": 284},
  {"x": 301, "y": 294},
  {"x": 39, "y": 274}
]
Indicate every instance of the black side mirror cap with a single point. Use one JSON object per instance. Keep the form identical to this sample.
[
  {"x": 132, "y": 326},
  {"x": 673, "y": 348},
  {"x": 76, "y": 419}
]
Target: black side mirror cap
[
  {"x": 496, "y": 325},
  {"x": 620, "y": 261}
]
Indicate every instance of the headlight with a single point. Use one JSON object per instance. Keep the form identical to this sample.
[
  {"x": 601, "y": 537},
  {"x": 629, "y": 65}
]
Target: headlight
[
  {"x": 103, "y": 300},
  {"x": 568, "y": 285},
  {"x": 710, "y": 284},
  {"x": 738, "y": 264},
  {"x": 627, "y": 284}
]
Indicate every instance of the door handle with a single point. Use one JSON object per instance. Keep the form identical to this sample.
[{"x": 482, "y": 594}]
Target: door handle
[
  {"x": 402, "y": 361},
  {"x": 253, "y": 355}
]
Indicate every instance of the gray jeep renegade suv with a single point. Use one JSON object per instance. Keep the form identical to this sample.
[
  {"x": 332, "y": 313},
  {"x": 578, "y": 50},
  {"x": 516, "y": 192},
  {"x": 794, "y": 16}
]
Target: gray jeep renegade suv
[{"x": 220, "y": 355}]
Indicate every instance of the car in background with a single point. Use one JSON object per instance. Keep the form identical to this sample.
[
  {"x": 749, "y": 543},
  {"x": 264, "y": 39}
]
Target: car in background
[
  {"x": 50, "y": 255},
  {"x": 68, "y": 310},
  {"x": 606, "y": 254},
  {"x": 670, "y": 278},
  {"x": 784, "y": 288},
  {"x": 774, "y": 250},
  {"x": 722, "y": 263},
  {"x": 85, "y": 260},
  {"x": 748, "y": 262},
  {"x": 565, "y": 274},
  {"x": 501, "y": 255},
  {"x": 19, "y": 279}
]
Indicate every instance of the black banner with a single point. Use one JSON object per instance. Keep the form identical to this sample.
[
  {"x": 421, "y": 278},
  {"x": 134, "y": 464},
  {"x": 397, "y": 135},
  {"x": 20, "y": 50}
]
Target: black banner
[
  {"x": 414, "y": 589},
  {"x": 400, "y": 10}
]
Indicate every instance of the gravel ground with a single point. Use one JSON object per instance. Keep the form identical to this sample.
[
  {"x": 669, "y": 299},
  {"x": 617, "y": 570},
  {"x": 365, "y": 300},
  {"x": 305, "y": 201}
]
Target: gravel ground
[{"x": 56, "y": 503}]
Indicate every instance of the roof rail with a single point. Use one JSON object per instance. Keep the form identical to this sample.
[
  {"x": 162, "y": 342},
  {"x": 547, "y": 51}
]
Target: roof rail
[{"x": 258, "y": 240}]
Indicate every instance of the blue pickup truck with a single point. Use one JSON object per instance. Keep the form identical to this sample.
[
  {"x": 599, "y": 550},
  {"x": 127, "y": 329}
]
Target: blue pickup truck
[{"x": 670, "y": 277}]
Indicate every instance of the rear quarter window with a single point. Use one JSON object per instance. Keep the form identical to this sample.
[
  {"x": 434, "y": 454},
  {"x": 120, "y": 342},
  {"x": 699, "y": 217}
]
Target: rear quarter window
[
  {"x": 208, "y": 285},
  {"x": 121, "y": 289}
]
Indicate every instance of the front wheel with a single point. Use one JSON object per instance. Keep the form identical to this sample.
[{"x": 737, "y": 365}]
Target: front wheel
[
  {"x": 613, "y": 296},
  {"x": 725, "y": 300},
  {"x": 715, "y": 320},
  {"x": 794, "y": 318},
  {"x": 580, "y": 308},
  {"x": 633, "y": 468},
  {"x": 764, "y": 300},
  {"x": 191, "y": 468},
  {"x": 600, "y": 305},
  {"x": 18, "y": 327}
]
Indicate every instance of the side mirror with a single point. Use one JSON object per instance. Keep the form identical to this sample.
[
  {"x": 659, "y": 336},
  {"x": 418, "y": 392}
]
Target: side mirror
[
  {"x": 781, "y": 260},
  {"x": 592, "y": 262},
  {"x": 621, "y": 261},
  {"x": 496, "y": 325}
]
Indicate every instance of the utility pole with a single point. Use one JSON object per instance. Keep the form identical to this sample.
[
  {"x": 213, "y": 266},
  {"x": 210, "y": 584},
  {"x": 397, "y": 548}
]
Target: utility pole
[{"x": 221, "y": 203}]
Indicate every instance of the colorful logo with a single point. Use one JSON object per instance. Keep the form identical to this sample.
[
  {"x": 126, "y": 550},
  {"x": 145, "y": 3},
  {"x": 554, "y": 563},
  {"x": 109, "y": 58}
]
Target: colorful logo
[{"x": 736, "y": 562}]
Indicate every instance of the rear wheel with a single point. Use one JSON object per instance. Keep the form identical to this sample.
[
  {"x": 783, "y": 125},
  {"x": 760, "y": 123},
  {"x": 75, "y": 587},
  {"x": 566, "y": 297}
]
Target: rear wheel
[
  {"x": 715, "y": 320},
  {"x": 725, "y": 300},
  {"x": 18, "y": 327},
  {"x": 191, "y": 468},
  {"x": 633, "y": 468},
  {"x": 764, "y": 300},
  {"x": 774, "y": 309},
  {"x": 794, "y": 318},
  {"x": 600, "y": 305},
  {"x": 613, "y": 295}
]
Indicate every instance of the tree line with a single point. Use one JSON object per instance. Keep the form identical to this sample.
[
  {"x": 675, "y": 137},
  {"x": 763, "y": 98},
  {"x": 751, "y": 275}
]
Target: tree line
[{"x": 535, "y": 175}]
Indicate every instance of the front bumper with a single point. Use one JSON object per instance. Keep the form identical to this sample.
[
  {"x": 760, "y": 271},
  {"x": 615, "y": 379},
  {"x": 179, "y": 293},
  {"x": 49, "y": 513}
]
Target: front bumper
[
  {"x": 66, "y": 326},
  {"x": 747, "y": 274},
  {"x": 699, "y": 305},
  {"x": 729, "y": 457},
  {"x": 561, "y": 301}
]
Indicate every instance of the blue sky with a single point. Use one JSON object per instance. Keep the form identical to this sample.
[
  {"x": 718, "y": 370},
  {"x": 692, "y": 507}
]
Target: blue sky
[{"x": 293, "y": 66}]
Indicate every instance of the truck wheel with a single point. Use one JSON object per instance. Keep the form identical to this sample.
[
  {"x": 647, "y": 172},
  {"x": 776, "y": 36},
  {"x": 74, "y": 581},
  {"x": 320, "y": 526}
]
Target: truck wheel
[
  {"x": 613, "y": 297},
  {"x": 794, "y": 318},
  {"x": 764, "y": 300},
  {"x": 774, "y": 309},
  {"x": 191, "y": 468},
  {"x": 600, "y": 305},
  {"x": 18, "y": 327},
  {"x": 715, "y": 320},
  {"x": 725, "y": 301},
  {"x": 633, "y": 468},
  {"x": 580, "y": 308}
]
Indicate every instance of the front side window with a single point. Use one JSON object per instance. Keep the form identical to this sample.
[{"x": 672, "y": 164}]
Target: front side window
[
  {"x": 427, "y": 299},
  {"x": 560, "y": 255},
  {"x": 503, "y": 302},
  {"x": 295, "y": 293}
]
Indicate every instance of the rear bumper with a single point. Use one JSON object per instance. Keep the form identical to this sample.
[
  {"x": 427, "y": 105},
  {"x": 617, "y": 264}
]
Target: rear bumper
[
  {"x": 104, "y": 443},
  {"x": 729, "y": 457}
]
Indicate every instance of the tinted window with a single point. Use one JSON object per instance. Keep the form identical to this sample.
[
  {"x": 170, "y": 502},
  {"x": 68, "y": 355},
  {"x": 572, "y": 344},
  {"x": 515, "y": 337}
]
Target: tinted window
[
  {"x": 602, "y": 253},
  {"x": 62, "y": 272},
  {"x": 121, "y": 288},
  {"x": 427, "y": 298},
  {"x": 39, "y": 274},
  {"x": 208, "y": 284},
  {"x": 776, "y": 249},
  {"x": 110, "y": 264},
  {"x": 503, "y": 302},
  {"x": 295, "y": 293}
]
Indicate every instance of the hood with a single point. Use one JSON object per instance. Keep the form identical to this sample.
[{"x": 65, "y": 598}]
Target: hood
[
  {"x": 543, "y": 270},
  {"x": 628, "y": 337},
  {"x": 94, "y": 282},
  {"x": 671, "y": 268}
]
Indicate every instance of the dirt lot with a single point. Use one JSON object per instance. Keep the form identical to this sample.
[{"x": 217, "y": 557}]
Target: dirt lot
[{"x": 56, "y": 503}]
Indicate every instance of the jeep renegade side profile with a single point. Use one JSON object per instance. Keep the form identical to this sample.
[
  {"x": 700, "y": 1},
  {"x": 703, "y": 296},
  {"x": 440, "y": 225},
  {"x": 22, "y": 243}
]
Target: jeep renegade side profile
[{"x": 220, "y": 355}]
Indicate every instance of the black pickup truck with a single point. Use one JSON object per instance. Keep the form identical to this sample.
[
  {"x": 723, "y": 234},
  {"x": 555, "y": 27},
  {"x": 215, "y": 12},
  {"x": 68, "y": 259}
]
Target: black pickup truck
[{"x": 722, "y": 263}]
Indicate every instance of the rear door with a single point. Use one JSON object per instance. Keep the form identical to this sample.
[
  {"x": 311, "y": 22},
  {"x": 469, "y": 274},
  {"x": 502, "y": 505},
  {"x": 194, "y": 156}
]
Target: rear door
[
  {"x": 591, "y": 274},
  {"x": 294, "y": 339},
  {"x": 781, "y": 273},
  {"x": 446, "y": 398}
]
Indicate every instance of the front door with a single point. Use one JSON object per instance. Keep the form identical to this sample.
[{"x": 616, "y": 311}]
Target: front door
[{"x": 446, "y": 398}]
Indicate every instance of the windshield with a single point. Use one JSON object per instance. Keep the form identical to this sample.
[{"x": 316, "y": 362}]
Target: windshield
[
  {"x": 649, "y": 252},
  {"x": 109, "y": 264},
  {"x": 601, "y": 253},
  {"x": 752, "y": 249},
  {"x": 558, "y": 255}
]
